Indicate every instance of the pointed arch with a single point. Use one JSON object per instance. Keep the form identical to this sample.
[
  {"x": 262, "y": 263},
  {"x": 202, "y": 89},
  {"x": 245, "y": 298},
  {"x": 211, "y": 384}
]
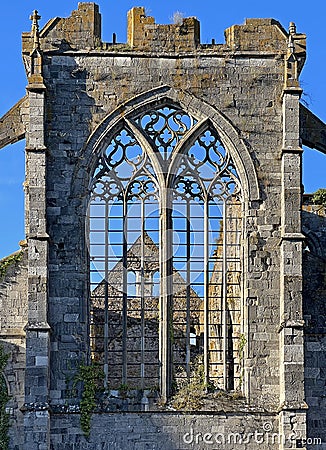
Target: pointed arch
[
  {"x": 225, "y": 166},
  {"x": 229, "y": 134},
  {"x": 200, "y": 275},
  {"x": 121, "y": 214}
]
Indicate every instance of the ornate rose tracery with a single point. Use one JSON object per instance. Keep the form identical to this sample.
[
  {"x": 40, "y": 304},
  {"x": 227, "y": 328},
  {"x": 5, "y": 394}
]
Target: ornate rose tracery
[{"x": 166, "y": 127}]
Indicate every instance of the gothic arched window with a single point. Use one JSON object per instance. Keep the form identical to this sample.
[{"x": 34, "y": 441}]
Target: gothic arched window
[{"x": 165, "y": 221}]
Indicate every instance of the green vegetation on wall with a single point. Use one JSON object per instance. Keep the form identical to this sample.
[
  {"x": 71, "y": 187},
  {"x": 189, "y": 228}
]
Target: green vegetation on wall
[
  {"x": 5, "y": 263},
  {"x": 91, "y": 378},
  {"x": 319, "y": 197}
]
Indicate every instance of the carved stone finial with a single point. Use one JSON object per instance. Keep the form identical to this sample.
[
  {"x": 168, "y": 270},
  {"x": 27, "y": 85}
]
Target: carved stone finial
[
  {"x": 291, "y": 44},
  {"x": 291, "y": 66},
  {"x": 292, "y": 28},
  {"x": 35, "y": 28},
  {"x": 35, "y": 18},
  {"x": 35, "y": 77}
]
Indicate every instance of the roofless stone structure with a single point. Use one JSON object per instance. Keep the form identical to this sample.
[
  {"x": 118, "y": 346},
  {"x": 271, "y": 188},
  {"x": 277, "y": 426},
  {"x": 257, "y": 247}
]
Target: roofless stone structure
[{"x": 168, "y": 240}]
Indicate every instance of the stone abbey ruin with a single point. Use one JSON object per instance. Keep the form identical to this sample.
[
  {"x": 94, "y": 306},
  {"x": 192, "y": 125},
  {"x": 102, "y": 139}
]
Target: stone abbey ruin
[{"x": 170, "y": 293}]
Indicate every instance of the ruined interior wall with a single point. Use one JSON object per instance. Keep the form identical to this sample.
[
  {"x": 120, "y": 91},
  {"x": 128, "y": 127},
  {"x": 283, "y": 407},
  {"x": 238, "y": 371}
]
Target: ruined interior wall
[
  {"x": 13, "y": 304},
  {"x": 314, "y": 301},
  {"x": 312, "y": 130}
]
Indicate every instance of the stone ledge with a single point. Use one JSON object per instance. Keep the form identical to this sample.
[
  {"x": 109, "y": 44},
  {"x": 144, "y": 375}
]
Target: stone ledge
[{"x": 292, "y": 324}]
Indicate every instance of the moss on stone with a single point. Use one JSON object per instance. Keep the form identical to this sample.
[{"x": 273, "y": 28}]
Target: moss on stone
[{"x": 5, "y": 263}]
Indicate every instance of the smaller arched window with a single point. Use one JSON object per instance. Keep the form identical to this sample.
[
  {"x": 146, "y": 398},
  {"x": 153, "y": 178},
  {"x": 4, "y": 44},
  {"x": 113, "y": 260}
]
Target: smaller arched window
[
  {"x": 132, "y": 285},
  {"x": 155, "y": 284}
]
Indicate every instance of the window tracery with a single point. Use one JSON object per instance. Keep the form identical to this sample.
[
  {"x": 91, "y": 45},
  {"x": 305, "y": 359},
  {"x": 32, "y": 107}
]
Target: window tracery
[
  {"x": 165, "y": 126},
  {"x": 202, "y": 292}
]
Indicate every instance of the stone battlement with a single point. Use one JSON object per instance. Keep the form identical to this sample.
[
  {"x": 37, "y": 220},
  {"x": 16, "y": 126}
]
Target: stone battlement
[
  {"x": 82, "y": 31},
  {"x": 145, "y": 34}
]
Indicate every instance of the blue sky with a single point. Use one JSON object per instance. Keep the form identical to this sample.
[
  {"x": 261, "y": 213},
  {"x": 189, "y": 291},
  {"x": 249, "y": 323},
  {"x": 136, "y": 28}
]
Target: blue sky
[{"x": 214, "y": 17}]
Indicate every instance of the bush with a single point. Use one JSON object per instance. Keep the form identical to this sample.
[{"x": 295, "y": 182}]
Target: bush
[{"x": 319, "y": 197}]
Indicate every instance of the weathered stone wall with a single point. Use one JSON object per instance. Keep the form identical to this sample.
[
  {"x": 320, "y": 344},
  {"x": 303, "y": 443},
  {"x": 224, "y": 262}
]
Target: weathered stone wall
[
  {"x": 82, "y": 91},
  {"x": 314, "y": 298},
  {"x": 167, "y": 431},
  {"x": 144, "y": 34},
  {"x": 13, "y": 305},
  {"x": 81, "y": 30}
]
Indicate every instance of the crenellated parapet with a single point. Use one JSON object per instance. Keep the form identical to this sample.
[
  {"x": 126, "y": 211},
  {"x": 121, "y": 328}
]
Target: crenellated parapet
[
  {"x": 264, "y": 35},
  {"x": 82, "y": 31},
  {"x": 144, "y": 34}
]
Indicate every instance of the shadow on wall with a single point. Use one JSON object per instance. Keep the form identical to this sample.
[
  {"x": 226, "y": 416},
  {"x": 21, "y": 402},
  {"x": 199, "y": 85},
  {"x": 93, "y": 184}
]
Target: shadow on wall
[
  {"x": 70, "y": 119},
  {"x": 314, "y": 305},
  {"x": 13, "y": 299},
  {"x": 13, "y": 385}
]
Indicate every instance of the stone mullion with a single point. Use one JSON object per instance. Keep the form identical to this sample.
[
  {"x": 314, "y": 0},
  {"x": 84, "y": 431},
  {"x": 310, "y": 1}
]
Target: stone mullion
[
  {"x": 166, "y": 295},
  {"x": 291, "y": 327},
  {"x": 37, "y": 417}
]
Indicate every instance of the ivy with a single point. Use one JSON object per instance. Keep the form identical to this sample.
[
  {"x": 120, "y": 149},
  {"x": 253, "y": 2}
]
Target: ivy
[
  {"x": 319, "y": 197},
  {"x": 242, "y": 343},
  {"x": 4, "y": 398},
  {"x": 5, "y": 263},
  {"x": 91, "y": 378},
  {"x": 123, "y": 390}
]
